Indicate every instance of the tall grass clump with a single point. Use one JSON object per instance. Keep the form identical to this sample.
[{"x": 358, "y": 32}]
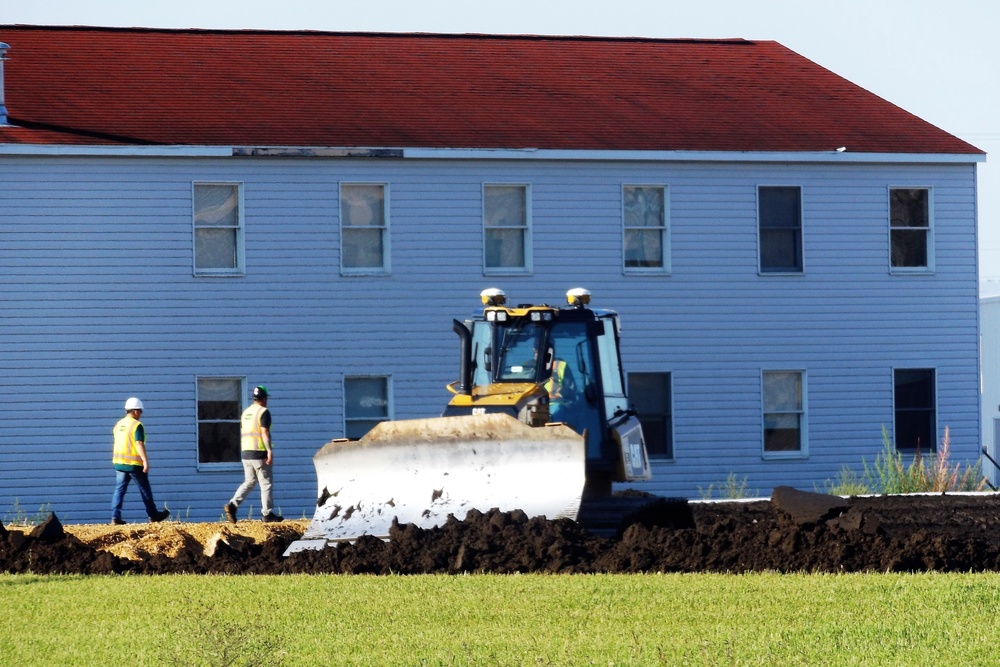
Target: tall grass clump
[{"x": 891, "y": 473}]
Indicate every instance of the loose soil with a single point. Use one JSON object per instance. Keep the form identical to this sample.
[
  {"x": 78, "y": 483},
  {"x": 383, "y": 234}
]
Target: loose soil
[{"x": 792, "y": 532}]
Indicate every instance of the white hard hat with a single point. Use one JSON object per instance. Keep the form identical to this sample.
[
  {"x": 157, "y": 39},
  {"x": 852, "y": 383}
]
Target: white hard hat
[{"x": 133, "y": 404}]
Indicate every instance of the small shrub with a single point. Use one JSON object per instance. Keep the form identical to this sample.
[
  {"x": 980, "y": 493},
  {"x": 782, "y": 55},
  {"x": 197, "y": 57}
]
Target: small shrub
[
  {"x": 734, "y": 488},
  {"x": 21, "y": 517},
  {"x": 849, "y": 483}
]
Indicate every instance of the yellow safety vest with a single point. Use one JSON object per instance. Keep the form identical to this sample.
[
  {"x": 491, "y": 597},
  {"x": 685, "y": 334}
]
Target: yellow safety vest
[
  {"x": 125, "y": 451},
  {"x": 251, "y": 438},
  {"x": 555, "y": 383}
]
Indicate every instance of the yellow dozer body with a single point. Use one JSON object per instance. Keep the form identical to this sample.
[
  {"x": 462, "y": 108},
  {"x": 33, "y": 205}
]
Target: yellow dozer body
[{"x": 538, "y": 422}]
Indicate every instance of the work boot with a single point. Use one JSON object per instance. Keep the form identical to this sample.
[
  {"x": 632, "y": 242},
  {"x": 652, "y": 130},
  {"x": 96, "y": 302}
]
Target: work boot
[
  {"x": 159, "y": 516},
  {"x": 117, "y": 521},
  {"x": 271, "y": 517},
  {"x": 230, "y": 510}
]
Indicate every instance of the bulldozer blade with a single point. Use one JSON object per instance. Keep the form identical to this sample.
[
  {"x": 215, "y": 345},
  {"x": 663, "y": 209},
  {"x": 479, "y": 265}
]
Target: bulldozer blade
[{"x": 421, "y": 471}]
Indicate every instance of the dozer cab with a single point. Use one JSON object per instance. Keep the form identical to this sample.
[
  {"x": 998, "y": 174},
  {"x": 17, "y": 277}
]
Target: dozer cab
[{"x": 538, "y": 421}]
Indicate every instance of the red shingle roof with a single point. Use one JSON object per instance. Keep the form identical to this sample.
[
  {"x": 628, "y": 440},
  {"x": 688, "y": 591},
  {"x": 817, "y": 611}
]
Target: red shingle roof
[{"x": 260, "y": 88}]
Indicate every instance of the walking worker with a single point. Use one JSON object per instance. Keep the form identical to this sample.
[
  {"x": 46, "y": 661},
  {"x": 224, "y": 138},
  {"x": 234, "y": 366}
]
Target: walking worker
[
  {"x": 131, "y": 462},
  {"x": 257, "y": 455}
]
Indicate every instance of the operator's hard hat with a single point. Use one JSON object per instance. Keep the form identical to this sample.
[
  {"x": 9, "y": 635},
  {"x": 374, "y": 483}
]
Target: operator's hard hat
[
  {"x": 133, "y": 404},
  {"x": 260, "y": 391}
]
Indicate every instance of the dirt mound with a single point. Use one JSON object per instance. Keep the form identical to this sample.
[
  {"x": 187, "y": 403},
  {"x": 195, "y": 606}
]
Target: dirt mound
[{"x": 792, "y": 532}]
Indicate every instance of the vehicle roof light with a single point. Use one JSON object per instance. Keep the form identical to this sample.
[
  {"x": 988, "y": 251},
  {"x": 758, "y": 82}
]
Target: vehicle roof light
[
  {"x": 492, "y": 296},
  {"x": 536, "y": 316},
  {"x": 578, "y": 296}
]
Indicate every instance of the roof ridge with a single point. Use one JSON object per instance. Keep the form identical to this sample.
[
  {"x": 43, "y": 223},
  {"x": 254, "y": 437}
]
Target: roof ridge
[{"x": 722, "y": 41}]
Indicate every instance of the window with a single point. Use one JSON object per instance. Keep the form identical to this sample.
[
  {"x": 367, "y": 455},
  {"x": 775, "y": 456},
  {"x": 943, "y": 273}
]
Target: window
[
  {"x": 910, "y": 228},
  {"x": 645, "y": 221},
  {"x": 914, "y": 407},
  {"x": 779, "y": 215},
  {"x": 784, "y": 412},
  {"x": 220, "y": 403},
  {"x": 218, "y": 229},
  {"x": 364, "y": 229},
  {"x": 366, "y": 403},
  {"x": 505, "y": 228},
  {"x": 649, "y": 394}
]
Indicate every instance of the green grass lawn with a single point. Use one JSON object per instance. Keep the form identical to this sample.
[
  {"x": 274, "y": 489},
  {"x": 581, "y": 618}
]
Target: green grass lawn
[{"x": 768, "y": 619}]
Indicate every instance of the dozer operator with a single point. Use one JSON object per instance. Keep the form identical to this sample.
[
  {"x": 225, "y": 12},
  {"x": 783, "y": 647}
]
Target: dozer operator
[{"x": 538, "y": 421}]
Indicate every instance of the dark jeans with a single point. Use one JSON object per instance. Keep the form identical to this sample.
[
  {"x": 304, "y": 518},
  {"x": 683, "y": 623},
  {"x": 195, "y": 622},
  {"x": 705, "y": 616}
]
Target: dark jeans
[{"x": 121, "y": 484}]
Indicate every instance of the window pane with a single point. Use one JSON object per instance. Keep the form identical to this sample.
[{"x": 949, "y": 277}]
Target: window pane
[
  {"x": 362, "y": 205},
  {"x": 366, "y": 398},
  {"x": 782, "y": 391},
  {"x": 644, "y": 207},
  {"x": 779, "y": 207},
  {"x": 218, "y": 399},
  {"x": 215, "y": 248},
  {"x": 909, "y": 247},
  {"x": 218, "y": 442},
  {"x": 780, "y": 250},
  {"x": 909, "y": 208},
  {"x": 362, "y": 248},
  {"x": 915, "y": 430},
  {"x": 782, "y": 433},
  {"x": 505, "y": 248},
  {"x": 649, "y": 392},
  {"x": 780, "y": 219},
  {"x": 643, "y": 248},
  {"x": 216, "y": 205},
  {"x": 914, "y": 389},
  {"x": 505, "y": 206}
]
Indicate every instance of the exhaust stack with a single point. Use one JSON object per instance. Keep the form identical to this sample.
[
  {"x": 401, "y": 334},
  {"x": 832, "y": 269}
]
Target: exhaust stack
[{"x": 3, "y": 107}]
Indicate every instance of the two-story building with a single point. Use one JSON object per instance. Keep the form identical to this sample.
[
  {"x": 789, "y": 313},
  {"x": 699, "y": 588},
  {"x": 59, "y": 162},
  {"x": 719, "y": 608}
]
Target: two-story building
[{"x": 185, "y": 214}]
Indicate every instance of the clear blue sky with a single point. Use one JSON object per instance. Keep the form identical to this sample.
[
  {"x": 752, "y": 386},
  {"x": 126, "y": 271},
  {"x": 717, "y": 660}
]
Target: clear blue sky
[{"x": 938, "y": 60}]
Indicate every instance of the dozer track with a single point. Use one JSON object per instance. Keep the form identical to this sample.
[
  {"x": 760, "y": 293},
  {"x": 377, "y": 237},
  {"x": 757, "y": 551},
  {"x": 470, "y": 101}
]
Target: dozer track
[{"x": 610, "y": 516}]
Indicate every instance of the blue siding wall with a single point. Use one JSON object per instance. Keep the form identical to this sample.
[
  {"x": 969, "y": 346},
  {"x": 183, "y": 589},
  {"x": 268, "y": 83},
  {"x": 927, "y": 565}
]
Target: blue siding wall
[{"x": 99, "y": 303}]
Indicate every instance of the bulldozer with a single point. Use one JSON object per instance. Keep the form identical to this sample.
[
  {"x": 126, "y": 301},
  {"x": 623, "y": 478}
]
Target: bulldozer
[{"x": 538, "y": 421}]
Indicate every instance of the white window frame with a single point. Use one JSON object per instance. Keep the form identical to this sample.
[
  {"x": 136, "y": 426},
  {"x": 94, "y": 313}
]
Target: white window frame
[
  {"x": 803, "y": 413},
  {"x": 664, "y": 228},
  {"x": 389, "y": 408},
  {"x": 802, "y": 232},
  {"x": 240, "y": 268},
  {"x": 221, "y": 465},
  {"x": 928, "y": 230},
  {"x": 385, "y": 268},
  {"x": 526, "y": 228}
]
